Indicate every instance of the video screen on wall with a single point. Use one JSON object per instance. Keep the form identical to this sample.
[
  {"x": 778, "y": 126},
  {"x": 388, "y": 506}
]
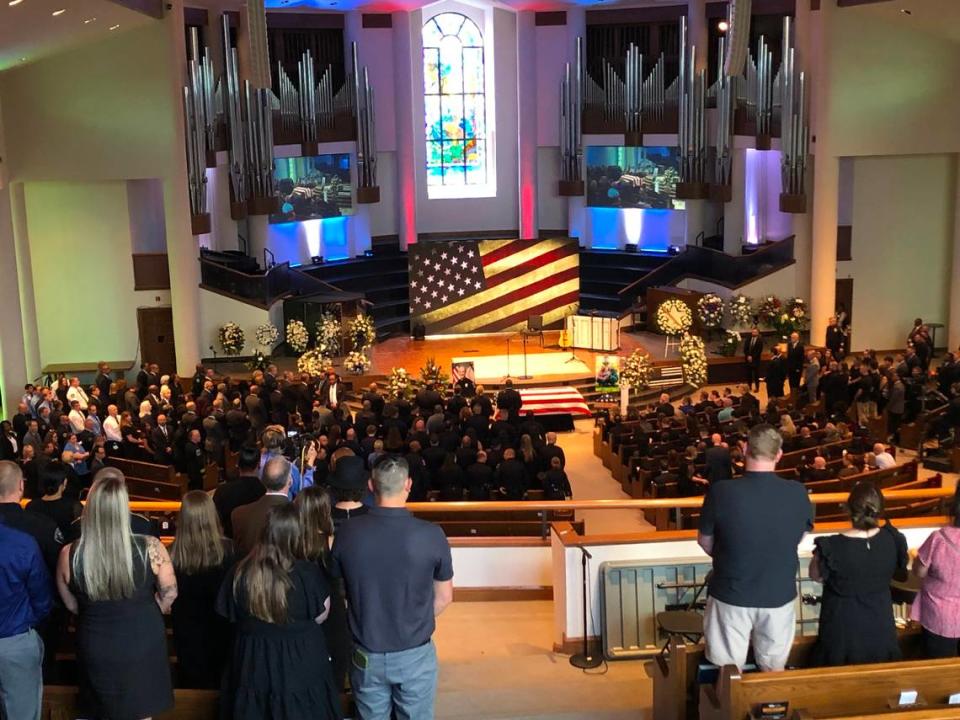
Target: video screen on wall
[
  {"x": 632, "y": 177},
  {"x": 311, "y": 188}
]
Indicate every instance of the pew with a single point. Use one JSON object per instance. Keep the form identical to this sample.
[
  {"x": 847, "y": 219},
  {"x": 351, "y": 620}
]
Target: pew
[
  {"x": 937, "y": 713},
  {"x": 675, "y": 685},
  {"x": 149, "y": 481},
  {"x": 830, "y": 691},
  {"x": 60, "y": 703}
]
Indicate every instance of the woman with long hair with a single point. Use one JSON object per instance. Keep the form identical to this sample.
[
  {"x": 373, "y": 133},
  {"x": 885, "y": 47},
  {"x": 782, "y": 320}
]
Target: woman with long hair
[
  {"x": 313, "y": 503},
  {"x": 937, "y": 607},
  {"x": 201, "y": 557},
  {"x": 278, "y": 601},
  {"x": 119, "y": 585},
  {"x": 856, "y": 567}
]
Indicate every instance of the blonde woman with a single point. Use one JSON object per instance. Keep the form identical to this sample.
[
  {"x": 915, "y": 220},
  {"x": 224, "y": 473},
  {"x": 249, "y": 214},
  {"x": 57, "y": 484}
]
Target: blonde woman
[
  {"x": 118, "y": 584},
  {"x": 201, "y": 557}
]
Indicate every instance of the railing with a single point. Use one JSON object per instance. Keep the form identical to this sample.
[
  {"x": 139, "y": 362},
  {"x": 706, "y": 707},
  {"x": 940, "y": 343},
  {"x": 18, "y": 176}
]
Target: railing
[{"x": 731, "y": 271}]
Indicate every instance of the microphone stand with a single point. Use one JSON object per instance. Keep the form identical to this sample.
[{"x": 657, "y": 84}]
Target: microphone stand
[{"x": 585, "y": 660}]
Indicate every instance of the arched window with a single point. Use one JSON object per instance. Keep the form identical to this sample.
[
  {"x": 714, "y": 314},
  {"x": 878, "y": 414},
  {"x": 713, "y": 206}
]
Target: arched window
[{"x": 454, "y": 102}]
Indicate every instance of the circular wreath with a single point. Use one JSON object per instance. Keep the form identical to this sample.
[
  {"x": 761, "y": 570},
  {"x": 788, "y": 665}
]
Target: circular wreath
[
  {"x": 797, "y": 309},
  {"x": 710, "y": 310},
  {"x": 693, "y": 359},
  {"x": 267, "y": 335},
  {"x": 731, "y": 342},
  {"x": 770, "y": 310},
  {"x": 356, "y": 362},
  {"x": 313, "y": 362},
  {"x": 232, "y": 338},
  {"x": 636, "y": 370},
  {"x": 297, "y": 336},
  {"x": 674, "y": 317},
  {"x": 362, "y": 332},
  {"x": 740, "y": 311}
]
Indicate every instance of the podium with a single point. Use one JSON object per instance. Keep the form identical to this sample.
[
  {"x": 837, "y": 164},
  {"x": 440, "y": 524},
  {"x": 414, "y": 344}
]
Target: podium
[{"x": 593, "y": 332}]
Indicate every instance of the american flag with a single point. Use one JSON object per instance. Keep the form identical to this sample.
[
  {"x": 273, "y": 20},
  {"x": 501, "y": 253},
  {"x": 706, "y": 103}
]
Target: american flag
[
  {"x": 553, "y": 401},
  {"x": 491, "y": 285}
]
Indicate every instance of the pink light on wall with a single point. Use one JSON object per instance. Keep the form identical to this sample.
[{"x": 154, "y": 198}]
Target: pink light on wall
[{"x": 527, "y": 121}]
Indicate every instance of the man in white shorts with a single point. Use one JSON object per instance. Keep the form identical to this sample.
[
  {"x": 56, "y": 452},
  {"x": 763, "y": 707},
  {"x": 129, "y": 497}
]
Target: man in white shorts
[{"x": 751, "y": 527}]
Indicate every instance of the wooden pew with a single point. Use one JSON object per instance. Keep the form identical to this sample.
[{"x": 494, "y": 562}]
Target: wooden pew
[
  {"x": 675, "y": 693},
  {"x": 498, "y": 528},
  {"x": 60, "y": 703},
  {"x": 149, "y": 481},
  {"x": 830, "y": 691},
  {"x": 923, "y": 713}
]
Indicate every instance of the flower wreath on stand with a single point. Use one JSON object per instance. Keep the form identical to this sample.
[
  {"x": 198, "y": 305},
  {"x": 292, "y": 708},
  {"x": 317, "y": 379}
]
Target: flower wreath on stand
[
  {"x": 297, "y": 336},
  {"x": 232, "y": 338},
  {"x": 674, "y": 317},
  {"x": 769, "y": 310},
  {"x": 267, "y": 335},
  {"x": 328, "y": 334},
  {"x": 432, "y": 374},
  {"x": 356, "y": 362},
  {"x": 693, "y": 359},
  {"x": 797, "y": 309},
  {"x": 362, "y": 332},
  {"x": 313, "y": 362},
  {"x": 398, "y": 384},
  {"x": 636, "y": 370},
  {"x": 740, "y": 311},
  {"x": 731, "y": 342},
  {"x": 710, "y": 311}
]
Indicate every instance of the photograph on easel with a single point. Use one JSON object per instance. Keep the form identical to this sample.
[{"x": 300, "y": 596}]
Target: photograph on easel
[{"x": 607, "y": 375}]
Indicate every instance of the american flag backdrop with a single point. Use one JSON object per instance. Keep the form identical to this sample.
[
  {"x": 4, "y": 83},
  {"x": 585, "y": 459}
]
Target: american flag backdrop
[{"x": 492, "y": 285}]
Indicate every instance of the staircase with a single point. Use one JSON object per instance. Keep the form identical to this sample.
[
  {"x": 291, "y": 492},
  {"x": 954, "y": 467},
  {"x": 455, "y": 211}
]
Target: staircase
[
  {"x": 604, "y": 273},
  {"x": 384, "y": 282}
]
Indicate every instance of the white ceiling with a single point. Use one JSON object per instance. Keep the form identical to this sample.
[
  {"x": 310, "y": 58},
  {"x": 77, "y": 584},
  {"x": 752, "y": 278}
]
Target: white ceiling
[{"x": 29, "y": 30}]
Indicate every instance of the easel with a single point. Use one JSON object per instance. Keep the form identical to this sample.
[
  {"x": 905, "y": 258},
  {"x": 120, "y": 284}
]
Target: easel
[
  {"x": 668, "y": 343},
  {"x": 523, "y": 338}
]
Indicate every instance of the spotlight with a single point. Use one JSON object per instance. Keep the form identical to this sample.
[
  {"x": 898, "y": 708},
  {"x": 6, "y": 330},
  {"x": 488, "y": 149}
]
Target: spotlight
[
  {"x": 89, "y": 20},
  {"x": 723, "y": 26},
  {"x": 114, "y": 27},
  {"x": 57, "y": 13},
  {"x": 316, "y": 259},
  {"x": 14, "y": 2},
  {"x": 673, "y": 250}
]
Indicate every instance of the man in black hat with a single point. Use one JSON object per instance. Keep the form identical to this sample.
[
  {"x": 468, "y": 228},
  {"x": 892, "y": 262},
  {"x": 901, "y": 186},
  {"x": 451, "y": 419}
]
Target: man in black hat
[{"x": 348, "y": 482}]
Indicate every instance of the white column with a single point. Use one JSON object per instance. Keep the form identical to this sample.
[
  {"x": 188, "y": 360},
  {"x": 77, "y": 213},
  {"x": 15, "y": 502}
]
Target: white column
[
  {"x": 223, "y": 228},
  {"x": 258, "y": 228},
  {"x": 13, "y": 365},
  {"x": 734, "y": 211},
  {"x": 527, "y": 122},
  {"x": 28, "y": 303},
  {"x": 801, "y": 227},
  {"x": 182, "y": 251},
  {"x": 406, "y": 163},
  {"x": 953, "y": 323}
]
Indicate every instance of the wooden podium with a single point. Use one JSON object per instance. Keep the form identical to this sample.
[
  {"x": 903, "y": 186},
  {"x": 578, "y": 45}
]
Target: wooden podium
[{"x": 593, "y": 332}]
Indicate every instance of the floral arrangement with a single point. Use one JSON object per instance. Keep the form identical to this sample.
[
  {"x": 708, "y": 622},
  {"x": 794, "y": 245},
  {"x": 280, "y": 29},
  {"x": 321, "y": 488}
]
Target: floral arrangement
[
  {"x": 328, "y": 334},
  {"x": 356, "y": 362},
  {"x": 432, "y": 374},
  {"x": 797, "y": 309},
  {"x": 232, "y": 338},
  {"x": 740, "y": 311},
  {"x": 674, "y": 317},
  {"x": 258, "y": 361},
  {"x": 362, "y": 332},
  {"x": 313, "y": 362},
  {"x": 267, "y": 335},
  {"x": 731, "y": 343},
  {"x": 399, "y": 384},
  {"x": 693, "y": 359},
  {"x": 710, "y": 310},
  {"x": 297, "y": 336},
  {"x": 636, "y": 370},
  {"x": 770, "y": 310}
]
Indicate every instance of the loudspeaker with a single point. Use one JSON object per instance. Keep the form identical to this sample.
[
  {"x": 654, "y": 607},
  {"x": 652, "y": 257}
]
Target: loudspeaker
[
  {"x": 419, "y": 332},
  {"x": 535, "y": 323}
]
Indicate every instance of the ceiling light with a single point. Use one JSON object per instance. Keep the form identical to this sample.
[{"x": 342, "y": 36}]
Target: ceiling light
[
  {"x": 88, "y": 21},
  {"x": 56, "y": 13},
  {"x": 114, "y": 27},
  {"x": 905, "y": 11},
  {"x": 14, "y": 2},
  {"x": 723, "y": 26}
]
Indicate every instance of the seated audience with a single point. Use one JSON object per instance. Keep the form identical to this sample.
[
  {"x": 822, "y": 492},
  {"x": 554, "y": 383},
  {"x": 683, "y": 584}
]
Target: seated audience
[
  {"x": 277, "y": 602},
  {"x": 856, "y": 567},
  {"x": 883, "y": 459},
  {"x": 119, "y": 585},
  {"x": 556, "y": 485},
  {"x": 937, "y": 606},
  {"x": 201, "y": 557}
]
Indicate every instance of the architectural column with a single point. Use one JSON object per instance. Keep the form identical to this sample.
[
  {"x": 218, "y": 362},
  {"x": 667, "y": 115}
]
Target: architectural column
[
  {"x": 953, "y": 311},
  {"x": 182, "y": 251},
  {"x": 697, "y": 30},
  {"x": 527, "y": 122},
  {"x": 13, "y": 364},
  {"x": 734, "y": 212},
  {"x": 406, "y": 162},
  {"x": 826, "y": 187}
]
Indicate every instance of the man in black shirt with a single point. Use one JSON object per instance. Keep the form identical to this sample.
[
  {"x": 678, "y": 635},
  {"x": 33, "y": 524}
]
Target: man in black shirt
[
  {"x": 751, "y": 527},
  {"x": 398, "y": 575},
  {"x": 40, "y": 527},
  {"x": 243, "y": 490}
]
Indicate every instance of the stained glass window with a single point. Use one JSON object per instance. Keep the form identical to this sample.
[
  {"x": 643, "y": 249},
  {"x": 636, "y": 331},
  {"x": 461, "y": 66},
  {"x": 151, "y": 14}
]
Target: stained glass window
[{"x": 454, "y": 101}]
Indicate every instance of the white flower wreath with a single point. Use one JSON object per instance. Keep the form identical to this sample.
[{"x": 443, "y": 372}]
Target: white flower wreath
[
  {"x": 313, "y": 362},
  {"x": 362, "y": 332},
  {"x": 710, "y": 310},
  {"x": 297, "y": 336},
  {"x": 674, "y": 317},
  {"x": 398, "y": 384},
  {"x": 267, "y": 335},
  {"x": 636, "y": 370},
  {"x": 232, "y": 338},
  {"x": 740, "y": 310},
  {"x": 356, "y": 362},
  {"x": 693, "y": 359}
]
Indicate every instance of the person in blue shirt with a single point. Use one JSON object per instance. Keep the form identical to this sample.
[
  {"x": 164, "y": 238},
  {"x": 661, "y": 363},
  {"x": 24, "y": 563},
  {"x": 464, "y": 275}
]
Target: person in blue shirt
[
  {"x": 273, "y": 439},
  {"x": 26, "y": 597}
]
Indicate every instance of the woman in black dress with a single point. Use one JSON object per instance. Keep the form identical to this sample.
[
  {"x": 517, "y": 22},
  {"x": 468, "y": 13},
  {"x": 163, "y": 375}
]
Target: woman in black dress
[
  {"x": 856, "y": 567},
  {"x": 281, "y": 667},
  {"x": 201, "y": 557},
  {"x": 119, "y": 584},
  {"x": 317, "y": 523}
]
